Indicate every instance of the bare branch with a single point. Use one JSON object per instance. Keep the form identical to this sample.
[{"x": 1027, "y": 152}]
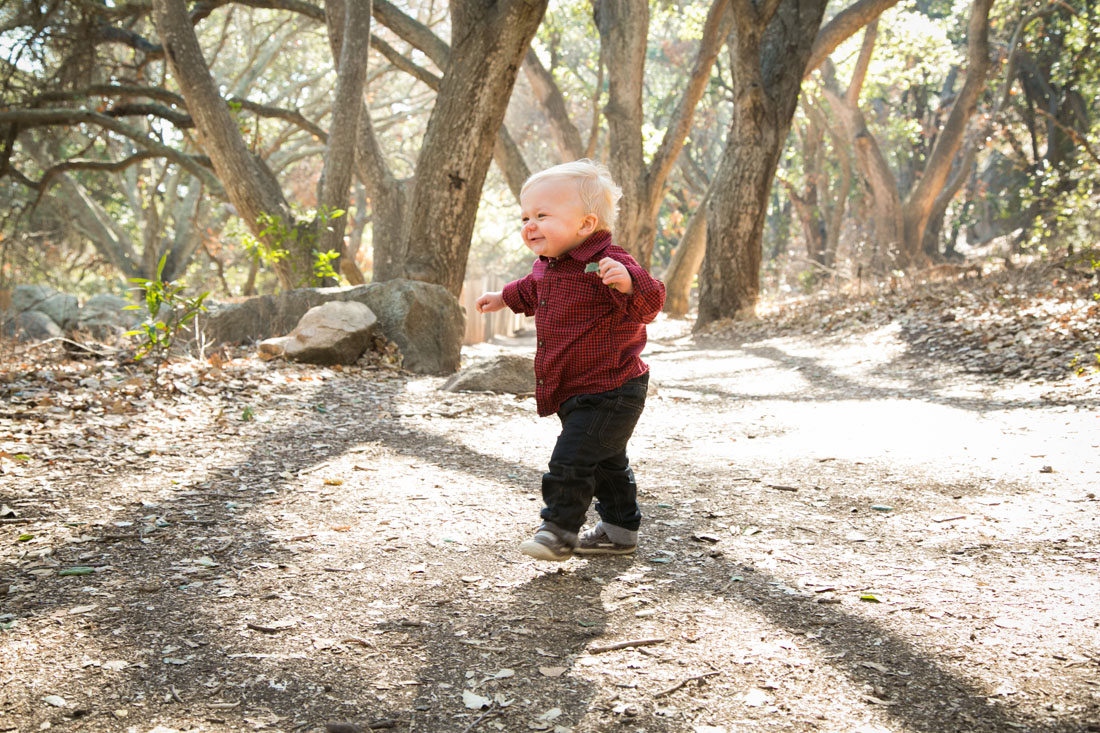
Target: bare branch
[
  {"x": 413, "y": 31},
  {"x": 135, "y": 109},
  {"x": 64, "y": 116},
  {"x": 566, "y": 135},
  {"x": 402, "y": 62},
  {"x": 843, "y": 26},
  {"x": 714, "y": 34},
  {"x": 859, "y": 74},
  {"x": 108, "y": 166}
]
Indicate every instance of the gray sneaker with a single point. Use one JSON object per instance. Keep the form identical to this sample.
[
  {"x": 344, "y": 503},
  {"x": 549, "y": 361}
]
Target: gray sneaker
[
  {"x": 596, "y": 542},
  {"x": 546, "y": 545}
]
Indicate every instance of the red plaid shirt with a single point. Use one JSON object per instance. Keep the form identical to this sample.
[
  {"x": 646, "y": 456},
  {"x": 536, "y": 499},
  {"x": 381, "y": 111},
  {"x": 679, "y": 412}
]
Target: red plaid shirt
[{"x": 589, "y": 335}]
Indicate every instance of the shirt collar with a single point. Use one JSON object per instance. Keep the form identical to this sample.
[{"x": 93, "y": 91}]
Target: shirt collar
[{"x": 588, "y": 249}]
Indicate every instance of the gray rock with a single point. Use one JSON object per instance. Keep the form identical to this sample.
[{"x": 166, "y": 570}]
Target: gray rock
[
  {"x": 425, "y": 321},
  {"x": 332, "y": 333},
  {"x": 61, "y": 308},
  {"x": 105, "y": 314},
  {"x": 510, "y": 373},
  {"x": 29, "y": 326}
]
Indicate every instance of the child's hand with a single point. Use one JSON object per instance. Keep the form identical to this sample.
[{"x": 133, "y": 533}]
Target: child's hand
[
  {"x": 490, "y": 302},
  {"x": 614, "y": 274}
]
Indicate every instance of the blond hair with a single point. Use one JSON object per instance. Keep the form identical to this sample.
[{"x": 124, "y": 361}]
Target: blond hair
[{"x": 598, "y": 193}]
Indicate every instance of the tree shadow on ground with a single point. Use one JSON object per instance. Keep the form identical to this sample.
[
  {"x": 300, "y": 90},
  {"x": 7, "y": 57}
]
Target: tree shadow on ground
[
  {"x": 389, "y": 645},
  {"x": 829, "y": 386}
]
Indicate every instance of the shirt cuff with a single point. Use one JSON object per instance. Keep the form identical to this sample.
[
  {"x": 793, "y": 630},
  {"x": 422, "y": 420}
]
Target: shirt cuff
[{"x": 512, "y": 299}]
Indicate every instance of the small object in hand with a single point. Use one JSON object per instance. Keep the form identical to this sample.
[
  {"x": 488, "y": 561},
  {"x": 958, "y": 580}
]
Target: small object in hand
[{"x": 595, "y": 267}]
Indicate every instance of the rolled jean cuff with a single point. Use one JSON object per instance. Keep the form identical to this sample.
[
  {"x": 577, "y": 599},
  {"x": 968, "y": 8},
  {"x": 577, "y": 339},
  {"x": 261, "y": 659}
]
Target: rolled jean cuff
[
  {"x": 619, "y": 535},
  {"x": 570, "y": 538}
]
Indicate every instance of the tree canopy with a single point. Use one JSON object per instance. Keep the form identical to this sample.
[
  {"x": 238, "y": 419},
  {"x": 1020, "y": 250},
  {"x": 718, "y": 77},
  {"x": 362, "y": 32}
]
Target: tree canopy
[{"x": 258, "y": 144}]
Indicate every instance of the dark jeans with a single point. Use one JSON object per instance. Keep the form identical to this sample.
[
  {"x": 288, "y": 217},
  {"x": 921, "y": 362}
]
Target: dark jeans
[{"x": 589, "y": 459}]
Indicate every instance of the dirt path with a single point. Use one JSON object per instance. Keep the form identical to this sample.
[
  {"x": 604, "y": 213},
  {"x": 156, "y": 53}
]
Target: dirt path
[{"x": 838, "y": 538}]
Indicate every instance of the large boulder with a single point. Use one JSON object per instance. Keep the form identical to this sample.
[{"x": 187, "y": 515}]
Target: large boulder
[
  {"x": 332, "y": 333},
  {"x": 106, "y": 314},
  {"x": 61, "y": 308},
  {"x": 28, "y": 326},
  {"x": 424, "y": 320},
  {"x": 510, "y": 373}
]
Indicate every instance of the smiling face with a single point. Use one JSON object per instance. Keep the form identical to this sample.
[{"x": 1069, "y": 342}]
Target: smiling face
[{"x": 554, "y": 220}]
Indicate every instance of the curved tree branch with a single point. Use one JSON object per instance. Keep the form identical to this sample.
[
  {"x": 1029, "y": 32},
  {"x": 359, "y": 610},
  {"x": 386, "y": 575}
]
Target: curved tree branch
[
  {"x": 48, "y": 117},
  {"x": 566, "y": 135},
  {"x": 843, "y": 26}
]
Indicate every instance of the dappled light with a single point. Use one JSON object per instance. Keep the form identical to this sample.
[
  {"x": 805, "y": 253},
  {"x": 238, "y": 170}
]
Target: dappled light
[{"x": 322, "y": 322}]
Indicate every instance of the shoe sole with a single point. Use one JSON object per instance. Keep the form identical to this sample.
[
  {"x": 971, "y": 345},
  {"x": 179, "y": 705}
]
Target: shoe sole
[
  {"x": 540, "y": 551},
  {"x": 605, "y": 550}
]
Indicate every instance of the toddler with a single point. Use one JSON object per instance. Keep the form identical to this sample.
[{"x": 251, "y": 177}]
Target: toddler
[{"x": 591, "y": 301}]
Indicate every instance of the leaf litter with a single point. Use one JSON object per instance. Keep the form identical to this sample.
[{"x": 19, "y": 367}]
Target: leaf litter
[{"x": 293, "y": 566}]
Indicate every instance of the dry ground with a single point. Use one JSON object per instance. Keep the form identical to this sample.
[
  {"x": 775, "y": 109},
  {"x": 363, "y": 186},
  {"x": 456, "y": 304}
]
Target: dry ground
[{"x": 842, "y": 534}]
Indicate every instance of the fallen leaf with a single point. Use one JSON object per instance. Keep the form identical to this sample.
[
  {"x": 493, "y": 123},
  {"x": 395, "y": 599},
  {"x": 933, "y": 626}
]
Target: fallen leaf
[
  {"x": 756, "y": 697},
  {"x": 55, "y": 700},
  {"x": 552, "y": 671},
  {"x": 474, "y": 701}
]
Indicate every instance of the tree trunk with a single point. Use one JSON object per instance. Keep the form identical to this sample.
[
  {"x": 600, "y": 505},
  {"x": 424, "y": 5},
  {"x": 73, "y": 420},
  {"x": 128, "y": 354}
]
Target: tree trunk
[
  {"x": 623, "y": 26},
  {"x": 488, "y": 46},
  {"x": 921, "y": 201},
  {"x": 349, "y": 34},
  {"x": 249, "y": 184},
  {"x": 685, "y": 262},
  {"x": 567, "y": 138},
  {"x": 768, "y": 56}
]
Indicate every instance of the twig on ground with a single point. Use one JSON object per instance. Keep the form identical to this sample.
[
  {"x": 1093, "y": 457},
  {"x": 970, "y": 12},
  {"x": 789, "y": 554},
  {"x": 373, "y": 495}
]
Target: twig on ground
[
  {"x": 492, "y": 712},
  {"x": 681, "y": 683},
  {"x": 625, "y": 644}
]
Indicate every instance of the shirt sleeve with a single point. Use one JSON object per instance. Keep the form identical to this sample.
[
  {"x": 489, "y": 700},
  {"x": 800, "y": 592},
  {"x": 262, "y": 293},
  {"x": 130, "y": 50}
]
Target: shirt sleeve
[
  {"x": 648, "y": 297},
  {"x": 521, "y": 296}
]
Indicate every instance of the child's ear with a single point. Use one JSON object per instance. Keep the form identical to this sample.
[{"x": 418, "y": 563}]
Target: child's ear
[{"x": 589, "y": 224}]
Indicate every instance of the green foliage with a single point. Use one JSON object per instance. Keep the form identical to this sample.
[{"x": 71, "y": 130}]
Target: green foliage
[
  {"x": 279, "y": 236},
  {"x": 167, "y": 310}
]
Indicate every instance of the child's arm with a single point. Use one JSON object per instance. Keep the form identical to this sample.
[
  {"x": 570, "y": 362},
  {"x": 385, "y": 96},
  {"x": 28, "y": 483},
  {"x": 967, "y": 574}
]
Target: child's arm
[
  {"x": 489, "y": 302},
  {"x": 615, "y": 275},
  {"x": 520, "y": 295},
  {"x": 641, "y": 295}
]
